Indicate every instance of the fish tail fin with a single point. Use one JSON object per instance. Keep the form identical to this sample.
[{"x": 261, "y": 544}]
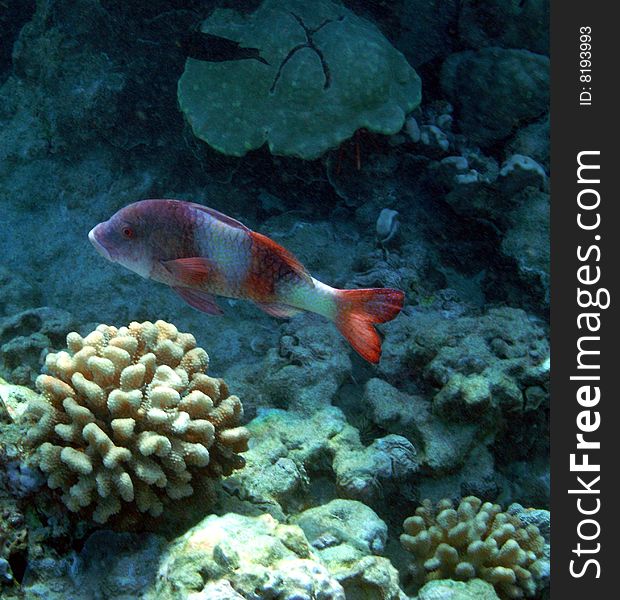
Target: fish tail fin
[{"x": 357, "y": 313}]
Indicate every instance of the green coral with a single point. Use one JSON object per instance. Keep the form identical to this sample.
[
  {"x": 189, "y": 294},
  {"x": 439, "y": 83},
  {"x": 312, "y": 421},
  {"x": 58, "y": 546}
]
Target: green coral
[
  {"x": 476, "y": 540},
  {"x": 330, "y": 73}
]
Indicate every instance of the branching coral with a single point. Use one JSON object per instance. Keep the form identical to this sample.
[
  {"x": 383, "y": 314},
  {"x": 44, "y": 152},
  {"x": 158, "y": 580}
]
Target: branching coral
[
  {"x": 475, "y": 540},
  {"x": 129, "y": 416}
]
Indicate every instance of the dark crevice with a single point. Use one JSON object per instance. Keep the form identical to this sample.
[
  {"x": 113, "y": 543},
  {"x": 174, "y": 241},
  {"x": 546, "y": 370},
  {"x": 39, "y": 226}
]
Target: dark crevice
[
  {"x": 309, "y": 43},
  {"x": 18, "y": 562}
]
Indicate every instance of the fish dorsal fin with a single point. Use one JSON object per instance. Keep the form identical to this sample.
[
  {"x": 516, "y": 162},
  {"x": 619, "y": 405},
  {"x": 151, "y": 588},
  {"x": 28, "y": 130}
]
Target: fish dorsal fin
[
  {"x": 268, "y": 246},
  {"x": 217, "y": 215}
]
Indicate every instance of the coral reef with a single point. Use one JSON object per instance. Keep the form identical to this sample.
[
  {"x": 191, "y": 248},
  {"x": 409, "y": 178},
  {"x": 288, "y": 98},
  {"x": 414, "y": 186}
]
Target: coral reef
[
  {"x": 109, "y": 565},
  {"x": 515, "y": 84},
  {"x": 453, "y": 209},
  {"x": 26, "y": 337},
  {"x": 475, "y": 540},
  {"x": 448, "y": 589},
  {"x": 17, "y": 480},
  {"x": 259, "y": 556},
  {"x": 128, "y": 418},
  {"x": 505, "y": 23},
  {"x": 348, "y": 536},
  {"x": 298, "y": 460},
  {"x": 301, "y": 372},
  {"x": 330, "y": 73}
]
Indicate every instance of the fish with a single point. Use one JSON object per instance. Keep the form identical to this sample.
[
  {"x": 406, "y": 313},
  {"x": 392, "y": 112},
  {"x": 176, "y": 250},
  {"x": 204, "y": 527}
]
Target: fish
[
  {"x": 201, "y": 254},
  {"x": 214, "y": 48}
]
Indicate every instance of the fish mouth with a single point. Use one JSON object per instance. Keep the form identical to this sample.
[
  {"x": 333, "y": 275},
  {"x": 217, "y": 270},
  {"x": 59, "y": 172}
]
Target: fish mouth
[{"x": 99, "y": 247}]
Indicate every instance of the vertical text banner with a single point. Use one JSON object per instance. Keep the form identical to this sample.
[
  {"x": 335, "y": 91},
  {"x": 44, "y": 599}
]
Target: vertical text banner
[{"x": 585, "y": 329}]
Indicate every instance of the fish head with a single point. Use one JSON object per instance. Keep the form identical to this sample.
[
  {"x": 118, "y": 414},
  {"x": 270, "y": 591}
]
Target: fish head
[{"x": 126, "y": 238}]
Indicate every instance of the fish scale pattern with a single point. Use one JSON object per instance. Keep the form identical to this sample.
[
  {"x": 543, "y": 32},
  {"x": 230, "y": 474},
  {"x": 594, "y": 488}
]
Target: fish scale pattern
[
  {"x": 129, "y": 420},
  {"x": 475, "y": 540}
]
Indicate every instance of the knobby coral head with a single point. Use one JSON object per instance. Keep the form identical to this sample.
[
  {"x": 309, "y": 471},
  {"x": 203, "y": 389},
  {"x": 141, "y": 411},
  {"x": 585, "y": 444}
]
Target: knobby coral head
[{"x": 128, "y": 421}]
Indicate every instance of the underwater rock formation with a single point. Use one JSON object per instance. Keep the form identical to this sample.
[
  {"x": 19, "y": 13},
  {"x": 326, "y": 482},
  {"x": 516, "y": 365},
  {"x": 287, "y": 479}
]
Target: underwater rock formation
[
  {"x": 259, "y": 556},
  {"x": 448, "y": 589},
  {"x": 110, "y": 565},
  {"x": 26, "y": 337},
  {"x": 504, "y": 349},
  {"x": 301, "y": 373},
  {"x": 128, "y": 419},
  {"x": 476, "y": 540},
  {"x": 471, "y": 392},
  {"x": 505, "y": 23},
  {"x": 515, "y": 84},
  {"x": 329, "y": 73},
  {"x": 296, "y": 460},
  {"x": 347, "y": 535},
  {"x": 15, "y": 292}
]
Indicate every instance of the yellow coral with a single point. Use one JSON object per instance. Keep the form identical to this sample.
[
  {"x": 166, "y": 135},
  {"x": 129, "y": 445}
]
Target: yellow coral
[
  {"x": 128, "y": 418},
  {"x": 474, "y": 540}
]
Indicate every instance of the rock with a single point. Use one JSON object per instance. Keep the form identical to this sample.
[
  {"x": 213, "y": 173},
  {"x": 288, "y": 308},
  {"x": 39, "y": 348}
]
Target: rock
[
  {"x": 505, "y": 23},
  {"x": 446, "y": 589},
  {"x": 370, "y": 578},
  {"x": 370, "y": 474},
  {"x": 520, "y": 172},
  {"x": 25, "y": 339},
  {"x": 15, "y": 292},
  {"x": 389, "y": 408},
  {"x": 302, "y": 373},
  {"x": 285, "y": 448},
  {"x": 533, "y": 141},
  {"x": 216, "y": 590},
  {"x": 467, "y": 365},
  {"x": 111, "y": 565},
  {"x": 344, "y": 522},
  {"x": 258, "y": 556},
  {"x": 527, "y": 240},
  {"x": 345, "y": 533},
  {"x": 494, "y": 90},
  {"x": 464, "y": 398}
]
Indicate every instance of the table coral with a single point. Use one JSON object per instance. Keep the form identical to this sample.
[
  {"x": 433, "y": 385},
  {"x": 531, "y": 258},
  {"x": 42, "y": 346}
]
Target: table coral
[
  {"x": 129, "y": 418},
  {"x": 329, "y": 73},
  {"x": 475, "y": 540}
]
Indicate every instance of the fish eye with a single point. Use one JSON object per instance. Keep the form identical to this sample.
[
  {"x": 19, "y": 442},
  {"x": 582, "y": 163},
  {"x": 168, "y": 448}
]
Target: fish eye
[{"x": 128, "y": 232}]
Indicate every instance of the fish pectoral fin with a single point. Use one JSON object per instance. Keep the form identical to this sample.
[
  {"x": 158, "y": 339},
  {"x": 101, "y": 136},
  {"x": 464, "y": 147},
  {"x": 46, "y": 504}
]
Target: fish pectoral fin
[
  {"x": 190, "y": 271},
  {"x": 202, "y": 301},
  {"x": 282, "y": 311}
]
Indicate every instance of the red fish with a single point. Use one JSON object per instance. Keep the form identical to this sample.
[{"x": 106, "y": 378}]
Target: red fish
[{"x": 201, "y": 253}]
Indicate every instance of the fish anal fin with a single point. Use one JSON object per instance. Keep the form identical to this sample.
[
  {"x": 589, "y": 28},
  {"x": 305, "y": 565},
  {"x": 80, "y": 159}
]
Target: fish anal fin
[
  {"x": 199, "y": 300},
  {"x": 282, "y": 311},
  {"x": 190, "y": 271}
]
